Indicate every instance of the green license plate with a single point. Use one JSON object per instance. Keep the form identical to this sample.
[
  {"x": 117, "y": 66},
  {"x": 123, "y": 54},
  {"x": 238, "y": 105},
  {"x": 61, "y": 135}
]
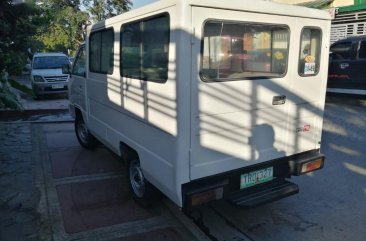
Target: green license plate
[{"x": 256, "y": 177}]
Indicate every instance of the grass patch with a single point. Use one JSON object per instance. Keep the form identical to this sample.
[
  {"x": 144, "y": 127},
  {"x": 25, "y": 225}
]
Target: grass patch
[{"x": 21, "y": 87}]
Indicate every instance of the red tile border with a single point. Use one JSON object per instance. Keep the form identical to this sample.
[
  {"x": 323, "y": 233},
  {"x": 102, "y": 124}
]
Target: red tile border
[
  {"x": 83, "y": 162},
  {"x": 94, "y": 204},
  {"x": 167, "y": 234}
]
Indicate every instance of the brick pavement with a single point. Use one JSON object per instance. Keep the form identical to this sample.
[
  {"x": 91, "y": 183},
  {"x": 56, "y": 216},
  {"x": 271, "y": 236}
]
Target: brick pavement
[
  {"x": 52, "y": 189},
  {"x": 19, "y": 197}
]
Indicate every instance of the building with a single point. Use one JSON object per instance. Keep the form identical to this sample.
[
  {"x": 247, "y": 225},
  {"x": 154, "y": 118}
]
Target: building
[
  {"x": 349, "y": 16},
  {"x": 349, "y": 21}
]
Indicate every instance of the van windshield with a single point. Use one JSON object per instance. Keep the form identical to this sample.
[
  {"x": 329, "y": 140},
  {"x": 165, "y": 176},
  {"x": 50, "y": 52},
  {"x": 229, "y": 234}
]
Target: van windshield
[{"x": 50, "y": 62}]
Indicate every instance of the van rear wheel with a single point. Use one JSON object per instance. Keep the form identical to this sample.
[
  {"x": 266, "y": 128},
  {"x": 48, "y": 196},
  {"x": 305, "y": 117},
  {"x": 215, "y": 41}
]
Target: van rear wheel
[
  {"x": 85, "y": 138},
  {"x": 142, "y": 191}
]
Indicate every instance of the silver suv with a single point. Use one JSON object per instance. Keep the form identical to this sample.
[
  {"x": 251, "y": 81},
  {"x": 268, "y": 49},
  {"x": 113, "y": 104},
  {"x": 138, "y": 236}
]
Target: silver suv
[{"x": 46, "y": 74}]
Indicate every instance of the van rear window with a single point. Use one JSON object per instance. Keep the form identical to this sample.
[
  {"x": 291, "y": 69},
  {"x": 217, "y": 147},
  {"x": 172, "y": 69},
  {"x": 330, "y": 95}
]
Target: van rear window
[
  {"x": 310, "y": 45},
  {"x": 235, "y": 50}
]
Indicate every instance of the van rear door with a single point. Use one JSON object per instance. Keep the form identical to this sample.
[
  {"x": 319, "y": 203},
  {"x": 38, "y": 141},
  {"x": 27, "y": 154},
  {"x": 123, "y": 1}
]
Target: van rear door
[{"x": 248, "y": 100}]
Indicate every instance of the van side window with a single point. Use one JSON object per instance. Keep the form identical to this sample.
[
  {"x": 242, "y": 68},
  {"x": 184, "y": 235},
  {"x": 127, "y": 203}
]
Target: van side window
[
  {"x": 240, "y": 50},
  {"x": 309, "y": 57},
  {"x": 362, "y": 51},
  {"x": 145, "y": 49},
  {"x": 79, "y": 65},
  {"x": 341, "y": 51},
  {"x": 101, "y": 51}
]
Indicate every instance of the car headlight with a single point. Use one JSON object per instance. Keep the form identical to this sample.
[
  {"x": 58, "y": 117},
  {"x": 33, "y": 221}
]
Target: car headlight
[{"x": 38, "y": 78}]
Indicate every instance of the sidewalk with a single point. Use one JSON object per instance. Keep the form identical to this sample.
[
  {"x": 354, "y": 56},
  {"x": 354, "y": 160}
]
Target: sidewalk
[
  {"x": 48, "y": 108},
  {"x": 19, "y": 220}
]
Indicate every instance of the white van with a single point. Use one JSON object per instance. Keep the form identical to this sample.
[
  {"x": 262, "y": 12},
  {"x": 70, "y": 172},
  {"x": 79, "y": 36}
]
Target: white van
[
  {"x": 206, "y": 99},
  {"x": 46, "y": 74}
]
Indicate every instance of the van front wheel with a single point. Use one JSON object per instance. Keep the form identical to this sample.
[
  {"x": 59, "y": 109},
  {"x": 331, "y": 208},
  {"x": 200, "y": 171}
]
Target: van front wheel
[
  {"x": 85, "y": 139},
  {"x": 142, "y": 191}
]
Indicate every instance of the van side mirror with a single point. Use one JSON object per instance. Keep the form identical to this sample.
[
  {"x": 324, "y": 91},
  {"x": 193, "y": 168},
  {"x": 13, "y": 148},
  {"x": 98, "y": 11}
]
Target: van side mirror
[{"x": 66, "y": 69}]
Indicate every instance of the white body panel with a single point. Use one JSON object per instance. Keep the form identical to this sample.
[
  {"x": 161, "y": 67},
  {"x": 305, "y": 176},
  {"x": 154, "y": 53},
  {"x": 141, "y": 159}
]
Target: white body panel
[
  {"x": 187, "y": 129},
  {"x": 228, "y": 118}
]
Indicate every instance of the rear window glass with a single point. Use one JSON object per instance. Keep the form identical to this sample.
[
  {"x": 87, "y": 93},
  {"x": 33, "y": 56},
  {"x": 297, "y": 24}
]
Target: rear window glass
[
  {"x": 235, "y": 50},
  {"x": 310, "y": 46},
  {"x": 341, "y": 51},
  {"x": 362, "y": 52}
]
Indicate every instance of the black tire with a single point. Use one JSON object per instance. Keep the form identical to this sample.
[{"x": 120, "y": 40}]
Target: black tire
[
  {"x": 85, "y": 138},
  {"x": 141, "y": 189}
]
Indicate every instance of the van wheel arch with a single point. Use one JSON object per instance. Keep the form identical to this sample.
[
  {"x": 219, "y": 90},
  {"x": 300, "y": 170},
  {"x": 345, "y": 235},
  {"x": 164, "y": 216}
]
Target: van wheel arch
[{"x": 144, "y": 193}]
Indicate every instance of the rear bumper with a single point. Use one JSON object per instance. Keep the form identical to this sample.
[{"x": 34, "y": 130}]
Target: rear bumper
[
  {"x": 227, "y": 185},
  {"x": 265, "y": 193}
]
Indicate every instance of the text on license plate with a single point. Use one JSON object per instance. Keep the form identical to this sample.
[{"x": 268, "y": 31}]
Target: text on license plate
[
  {"x": 256, "y": 177},
  {"x": 58, "y": 86}
]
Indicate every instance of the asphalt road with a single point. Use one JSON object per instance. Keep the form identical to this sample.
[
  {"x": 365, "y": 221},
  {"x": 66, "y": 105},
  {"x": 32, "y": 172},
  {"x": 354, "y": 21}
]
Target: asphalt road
[{"x": 331, "y": 205}]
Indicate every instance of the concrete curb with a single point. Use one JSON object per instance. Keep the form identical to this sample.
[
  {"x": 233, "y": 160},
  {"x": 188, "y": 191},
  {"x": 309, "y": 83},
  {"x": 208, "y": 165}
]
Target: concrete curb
[
  {"x": 186, "y": 222},
  {"x": 11, "y": 115}
]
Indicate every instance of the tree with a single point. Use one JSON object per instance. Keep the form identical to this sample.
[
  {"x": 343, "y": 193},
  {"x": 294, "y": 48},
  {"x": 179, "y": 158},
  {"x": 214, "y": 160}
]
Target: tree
[
  {"x": 65, "y": 29},
  {"x": 103, "y": 9},
  {"x": 18, "y": 22}
]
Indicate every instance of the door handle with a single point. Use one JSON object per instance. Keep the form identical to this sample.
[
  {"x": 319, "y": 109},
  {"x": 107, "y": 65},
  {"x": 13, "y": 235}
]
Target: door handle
[
  {"x": 344, "y": 65},
  {"x": 279, "y": 100}
]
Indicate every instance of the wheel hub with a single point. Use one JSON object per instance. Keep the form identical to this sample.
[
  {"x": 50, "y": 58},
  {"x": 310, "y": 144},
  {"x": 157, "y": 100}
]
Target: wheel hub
[{"x": 137, "y": 179}]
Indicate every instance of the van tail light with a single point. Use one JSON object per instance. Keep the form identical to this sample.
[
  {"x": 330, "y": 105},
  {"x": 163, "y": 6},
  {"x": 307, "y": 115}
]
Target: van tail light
[
  {"x": 310, "y": 164},
  {"x": 207, "y": 196}
]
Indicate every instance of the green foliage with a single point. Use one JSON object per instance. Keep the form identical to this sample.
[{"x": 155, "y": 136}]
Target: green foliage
[
  {"x": 64, "y": 31},
  {"x": 23, "y": 88},
  {"x": 17, "y": 24},
  {"x": 8, "y": 100},
  {"x": 66, "y": 21},
  {"x": 103, "y": 9},
  {"x": 55, "y": 25}
]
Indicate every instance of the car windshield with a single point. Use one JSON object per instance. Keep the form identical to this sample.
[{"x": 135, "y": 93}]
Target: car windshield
[{"x": 50, "y": 62}]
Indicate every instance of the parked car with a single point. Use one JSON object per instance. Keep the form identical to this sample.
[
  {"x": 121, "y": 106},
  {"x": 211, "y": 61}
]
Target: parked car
[
  {"x": 46, "y": 74},
  {"x": 347, "y": 63}
]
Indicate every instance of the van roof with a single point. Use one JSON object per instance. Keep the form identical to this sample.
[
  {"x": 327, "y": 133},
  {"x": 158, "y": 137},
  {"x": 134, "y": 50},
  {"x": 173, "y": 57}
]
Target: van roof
[
  {"x": 48, "y": 54},
  {"x": 258, "y": 6}
]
